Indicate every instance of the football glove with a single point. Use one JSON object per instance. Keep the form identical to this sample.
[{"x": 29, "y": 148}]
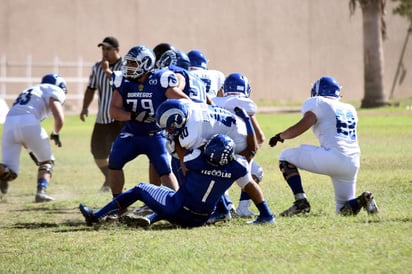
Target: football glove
[
  {"x": 275, "y": 139},
  {"x": 56, "y": 138}
]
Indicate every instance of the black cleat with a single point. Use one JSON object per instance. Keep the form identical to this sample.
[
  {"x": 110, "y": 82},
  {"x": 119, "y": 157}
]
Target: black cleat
[
  {"x": 88, "y": 215},
  {"x": 299, "y": 206}
]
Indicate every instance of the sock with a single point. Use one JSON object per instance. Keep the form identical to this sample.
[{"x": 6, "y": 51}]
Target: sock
[
  {"x": 222, "y": 205},
  {"x": 42, "y": 183},
  {"x": 244, "y": 196},
  {"x": 264, "y": 210},
  {"x": 295, "y": 183},
  {"x": 121, "y": 201}
]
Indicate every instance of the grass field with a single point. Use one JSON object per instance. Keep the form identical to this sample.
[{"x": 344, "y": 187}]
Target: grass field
[{"x": 53, "y": 238}]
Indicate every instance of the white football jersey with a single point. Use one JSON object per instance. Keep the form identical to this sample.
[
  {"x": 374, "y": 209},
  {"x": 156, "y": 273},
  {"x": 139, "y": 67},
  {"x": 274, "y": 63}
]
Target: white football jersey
[
  {"x": 213, "y": 80},
  {"x": 35, "y": 100},
  {"x": 336, "y": 124},
  {"x": 204, "y": 121},
  {"x": 232, "y": 101}
]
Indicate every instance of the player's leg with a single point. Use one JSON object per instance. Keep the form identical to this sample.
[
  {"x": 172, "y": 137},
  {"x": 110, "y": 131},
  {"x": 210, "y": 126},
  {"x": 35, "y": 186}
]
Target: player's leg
[
  {"x": 10, "y": 156},
  {"x": 243, "y": 209},
  {"x": 125, "y": 148},
  {"x": 36, "y": 139},
  {"x": 255, "y": 193}
]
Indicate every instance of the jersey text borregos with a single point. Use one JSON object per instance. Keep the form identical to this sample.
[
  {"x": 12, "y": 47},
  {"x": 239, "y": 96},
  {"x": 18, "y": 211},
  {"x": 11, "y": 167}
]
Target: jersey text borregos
[{"x": 146, "y": 96}]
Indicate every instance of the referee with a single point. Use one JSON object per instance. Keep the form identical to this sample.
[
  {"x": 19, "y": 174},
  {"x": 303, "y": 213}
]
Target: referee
[{"x": 105, "y": 128}]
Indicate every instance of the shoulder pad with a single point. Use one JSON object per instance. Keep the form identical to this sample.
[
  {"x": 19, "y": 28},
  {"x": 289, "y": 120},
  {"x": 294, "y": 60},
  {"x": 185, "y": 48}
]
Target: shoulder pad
[
  {"x": 168, "y": 79},
  {"x": 116, "y": 79}
]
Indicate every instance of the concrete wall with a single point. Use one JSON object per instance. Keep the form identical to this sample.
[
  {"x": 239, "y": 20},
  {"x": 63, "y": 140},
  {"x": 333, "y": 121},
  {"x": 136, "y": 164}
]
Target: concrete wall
[{"x": 282, "y": 46}]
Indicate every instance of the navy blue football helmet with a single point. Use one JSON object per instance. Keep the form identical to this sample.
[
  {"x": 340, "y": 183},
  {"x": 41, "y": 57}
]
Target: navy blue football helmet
[
  {"x": 172, "y": 115},
  {"x": 236, "y": 84},
  {"x": 55, "y": 79},
  {"x": 138, "y": 61},
  {"x": 161, "y": 48},
  {"x": 197, "y": 59},
  {"x": 174, "y": 57},
  {"x": 326, "y": 86},
  {"x": 219, "y": 150}
]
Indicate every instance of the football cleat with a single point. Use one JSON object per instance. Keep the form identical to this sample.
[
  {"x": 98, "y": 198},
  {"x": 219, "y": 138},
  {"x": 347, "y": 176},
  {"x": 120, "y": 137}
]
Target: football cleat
[
  {"x": 299, "y": 206},
  {"x": 367, "y": 201},
  {"x": 219, "y": 217},
  {"x": 42, "y": 197},
  {"x": 142, "y": 211},
  {"x": 263, "y": 220},
  {"x": 4, "y": 186},
  {"x": 88, "y": 215},
  {"x": 135, "y": 221}
]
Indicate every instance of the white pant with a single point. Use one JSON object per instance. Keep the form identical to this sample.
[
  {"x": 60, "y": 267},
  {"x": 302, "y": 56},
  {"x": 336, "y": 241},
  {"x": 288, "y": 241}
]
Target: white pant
[
  {"x": 342, "y": 169},
  {"x": 24, "y": 130}
]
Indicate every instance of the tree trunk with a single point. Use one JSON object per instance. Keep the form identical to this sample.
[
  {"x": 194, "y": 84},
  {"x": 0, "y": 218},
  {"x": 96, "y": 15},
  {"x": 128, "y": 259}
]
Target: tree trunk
[{"x": 373, "y": 54}]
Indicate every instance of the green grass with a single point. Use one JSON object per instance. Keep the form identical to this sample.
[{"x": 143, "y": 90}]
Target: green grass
[{"x": 52, "y": 237}]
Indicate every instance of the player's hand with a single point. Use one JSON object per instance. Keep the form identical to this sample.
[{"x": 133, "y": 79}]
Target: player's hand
[
  {"x": 104, "y": 64},
  {"x": 56, "y": 138},
  {"x": 241, "y": 113},
  {"x": 143, "y": 117},
  {"x": 275, "y": 139},
  {"x": 83, "y": 114}
]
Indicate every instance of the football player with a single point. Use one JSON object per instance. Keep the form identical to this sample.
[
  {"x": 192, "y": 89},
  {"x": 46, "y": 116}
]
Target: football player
[
  {"x": 212, "y": 78},
  {"x": 211, "y": 172},
  {"x": 190, "y": 125},
  {"x": 334, "y": 123},
  {"x": 236, "y": 93},
  {"x": 137, "y": 91},
  {"x": 22, "y": 128}
]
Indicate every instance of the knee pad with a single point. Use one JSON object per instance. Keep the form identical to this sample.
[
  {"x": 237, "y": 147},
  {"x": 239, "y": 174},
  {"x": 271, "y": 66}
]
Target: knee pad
[
  {"x": 288, "y": 170},
  {"x": 7, "y": 174},
  {"x": 257, "y": 172},
  {"x": 47, "y": 167}
]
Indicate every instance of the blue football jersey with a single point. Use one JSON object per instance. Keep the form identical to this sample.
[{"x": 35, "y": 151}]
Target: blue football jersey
[
  {"x": 146, "y": 96},
  {"x": 194, "y": 88},
  {"x": 204, "y": 184}
]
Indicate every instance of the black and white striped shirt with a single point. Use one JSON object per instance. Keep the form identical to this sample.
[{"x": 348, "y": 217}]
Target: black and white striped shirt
[{"x": 99, "y": 80}]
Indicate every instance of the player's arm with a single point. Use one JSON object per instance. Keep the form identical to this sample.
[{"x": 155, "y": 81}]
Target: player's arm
[
  {"x": 116, "y": 108},
  {"x": 181, "y": 152},
  {"x": 260, "y": 135},
  {"x": 87, "y": 99},
  {"x": 56, "y": 109},
  {"x": 181, "y": 81},
  {"x": 252, "y": 144},
  {"x": 305, "y": 123},
  {"x": 209, "y": 100}
]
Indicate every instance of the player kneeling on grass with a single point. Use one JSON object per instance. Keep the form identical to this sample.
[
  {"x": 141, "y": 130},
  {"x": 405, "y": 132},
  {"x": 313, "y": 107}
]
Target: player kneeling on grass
[
  {"x": 210, "y": 173},
  {"x": 338, "y": 156}
]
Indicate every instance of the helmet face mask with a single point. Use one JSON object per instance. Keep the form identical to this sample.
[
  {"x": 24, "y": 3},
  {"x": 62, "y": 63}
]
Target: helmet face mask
[
  {"x": 174, "y": 57},
  {"x": 55, "y": 79},
  {"x": 137, "y": 62},
  {"x": 326, "y": 86},
  {"x": 236, "y": 84},
  {"x": 219, "y": 150}
]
